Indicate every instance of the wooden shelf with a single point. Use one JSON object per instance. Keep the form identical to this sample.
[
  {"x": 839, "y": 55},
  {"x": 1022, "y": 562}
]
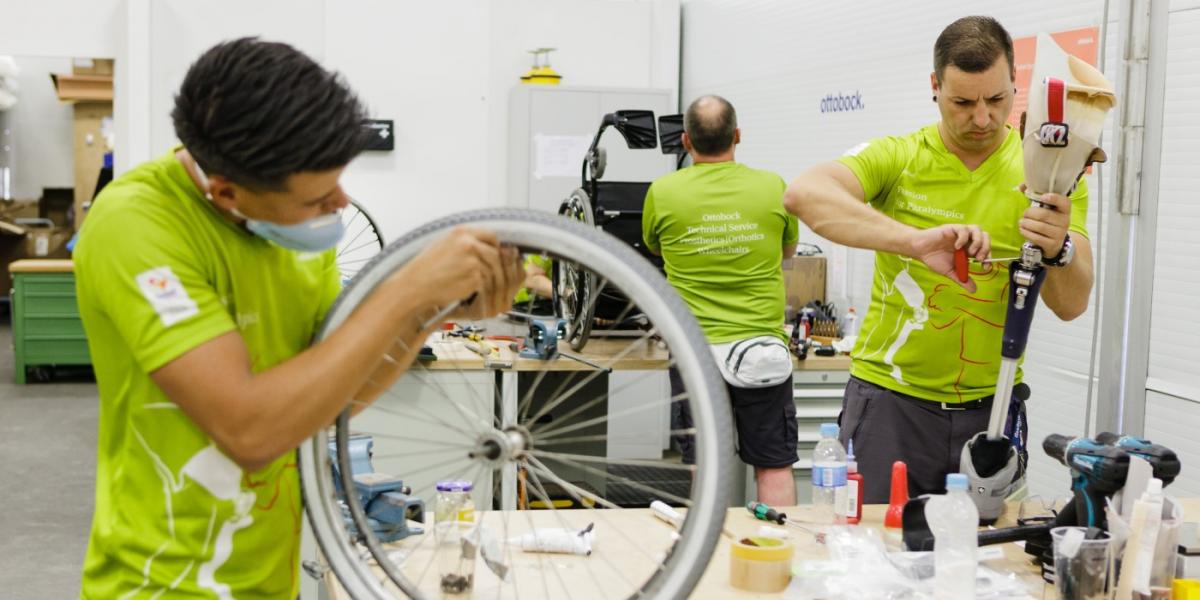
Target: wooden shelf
[{"x": 83, "y": 88}]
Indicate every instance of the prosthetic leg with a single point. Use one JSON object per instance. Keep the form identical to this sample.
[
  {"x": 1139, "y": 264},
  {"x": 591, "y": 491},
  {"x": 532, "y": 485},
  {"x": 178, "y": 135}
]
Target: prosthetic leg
[{"x": 1068, "y": 101}]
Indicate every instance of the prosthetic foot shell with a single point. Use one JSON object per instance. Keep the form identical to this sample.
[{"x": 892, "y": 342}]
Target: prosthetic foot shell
[
  {"x": 990, "y": 492},
  {"x": 1068, "y": 102}
]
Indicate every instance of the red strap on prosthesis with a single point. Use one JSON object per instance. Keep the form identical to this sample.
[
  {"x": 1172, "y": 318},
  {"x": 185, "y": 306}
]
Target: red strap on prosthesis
[{"x": 1056, "y": 99}]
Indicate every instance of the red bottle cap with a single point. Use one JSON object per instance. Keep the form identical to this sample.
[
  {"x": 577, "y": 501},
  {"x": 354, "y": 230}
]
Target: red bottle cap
[{"x": 895, "y": 510}]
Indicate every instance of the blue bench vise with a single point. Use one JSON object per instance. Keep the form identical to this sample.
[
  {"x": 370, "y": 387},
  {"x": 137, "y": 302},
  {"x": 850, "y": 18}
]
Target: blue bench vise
[
  {"x": 542, "y": 341},
  {"x": 387, "y": 502}
]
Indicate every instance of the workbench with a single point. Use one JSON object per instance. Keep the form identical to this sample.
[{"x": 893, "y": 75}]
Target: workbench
[{"x": 614, "y": 550}]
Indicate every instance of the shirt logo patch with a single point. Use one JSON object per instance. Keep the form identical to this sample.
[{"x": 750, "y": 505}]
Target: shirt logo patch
[{"x": 166, "y": 295}]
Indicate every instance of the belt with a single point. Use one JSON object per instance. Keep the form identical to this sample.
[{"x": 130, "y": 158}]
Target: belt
[
  {"x": 1020, "y": 391},
  {"x": 968, "y": 405}
]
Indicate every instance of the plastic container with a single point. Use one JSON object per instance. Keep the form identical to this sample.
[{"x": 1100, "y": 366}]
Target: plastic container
[
  {"x": 454, "y": 517},
  {"x": 954, "y": 521},
  {"x": 829, "y": 477},
  {"x": 850, "y": 323},
  {"x": 854, "y": 487},
  {"x": 1081, "y": 566}
]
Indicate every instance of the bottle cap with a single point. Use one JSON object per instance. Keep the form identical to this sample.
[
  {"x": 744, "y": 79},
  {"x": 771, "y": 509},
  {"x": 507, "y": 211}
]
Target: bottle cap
[
  {"x": 851, "y": 464},
  {"x": 956, "y": 481},
  {"x": 455, "y": 485},
  {"x": 829, "y": 430}
]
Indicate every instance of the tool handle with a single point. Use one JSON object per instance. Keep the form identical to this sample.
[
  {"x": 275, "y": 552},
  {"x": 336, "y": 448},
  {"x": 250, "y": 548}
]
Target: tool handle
[
  {"x": 763, "y": 512},
  {"x": 960, "y": 264}
]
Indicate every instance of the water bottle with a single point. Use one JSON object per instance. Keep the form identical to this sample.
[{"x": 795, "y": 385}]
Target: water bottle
[
  {"x": 829, "y": 477},
  {"x": 954, "y": 521}
]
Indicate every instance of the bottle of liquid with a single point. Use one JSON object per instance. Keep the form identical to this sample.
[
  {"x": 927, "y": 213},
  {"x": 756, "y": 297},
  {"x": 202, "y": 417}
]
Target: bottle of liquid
[
  {"x": 954, "y": 521},
  {"x": 854, "y": 487},
  {"x": 829, "y": 477},
  {"x": 850, "y": 323}
]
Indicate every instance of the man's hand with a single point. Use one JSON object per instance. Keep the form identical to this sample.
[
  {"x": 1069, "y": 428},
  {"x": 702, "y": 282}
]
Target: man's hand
[
  {"x": 467, "y": 263},
  {"x": 935, "y": 247},
  {"x": 1047, "y": 227}
]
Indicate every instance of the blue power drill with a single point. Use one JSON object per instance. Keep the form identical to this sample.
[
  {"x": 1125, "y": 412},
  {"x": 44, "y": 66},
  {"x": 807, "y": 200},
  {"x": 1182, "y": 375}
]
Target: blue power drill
[{"x": 1098, "y": 470}]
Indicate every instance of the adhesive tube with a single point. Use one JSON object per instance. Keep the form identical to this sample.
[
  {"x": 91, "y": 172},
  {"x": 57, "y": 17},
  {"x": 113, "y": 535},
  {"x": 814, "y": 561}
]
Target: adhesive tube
[
  {"x": 560, "y": 541},
  {"x": 1139, "y": 550},
  {"x": 666, "y": 513}
]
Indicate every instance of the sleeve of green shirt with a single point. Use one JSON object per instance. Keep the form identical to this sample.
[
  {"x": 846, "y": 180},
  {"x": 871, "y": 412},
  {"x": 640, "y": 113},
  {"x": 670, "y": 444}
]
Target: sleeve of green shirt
[
  {"x": 649, "y": 222},
  {"x": 1079, "y": 209},
  {"x": 791, "y": 228},
  {"x": 878, "y": 165},
  {"x": 151, "y": 287}
]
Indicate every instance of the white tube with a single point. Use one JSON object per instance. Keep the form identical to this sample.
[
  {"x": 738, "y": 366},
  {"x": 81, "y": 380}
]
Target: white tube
[
  {"x": 560, "y": 541},
  {"x": 666, "y": 513}
]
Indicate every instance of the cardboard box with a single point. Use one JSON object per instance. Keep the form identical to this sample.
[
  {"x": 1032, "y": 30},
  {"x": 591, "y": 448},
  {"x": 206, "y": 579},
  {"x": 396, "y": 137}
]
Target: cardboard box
[
  {"x": 20, "y": 241},
  {"x": 92, "y": 66},
  {"x": 803, "y": 281}
]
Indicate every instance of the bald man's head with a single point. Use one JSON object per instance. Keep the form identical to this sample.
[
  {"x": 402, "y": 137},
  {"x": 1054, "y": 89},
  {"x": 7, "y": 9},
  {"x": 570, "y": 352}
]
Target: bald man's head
[{"x": 710, "y": 123}]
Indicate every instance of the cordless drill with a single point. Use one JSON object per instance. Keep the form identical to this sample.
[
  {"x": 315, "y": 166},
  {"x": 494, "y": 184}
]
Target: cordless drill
[
  {"x": 1164, "y": 462},
  {"x": 1098, "y": 470}
]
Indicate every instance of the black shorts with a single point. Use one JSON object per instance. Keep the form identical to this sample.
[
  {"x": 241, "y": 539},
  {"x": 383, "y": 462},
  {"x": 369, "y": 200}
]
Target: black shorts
[{"x": 764, "y": 418}]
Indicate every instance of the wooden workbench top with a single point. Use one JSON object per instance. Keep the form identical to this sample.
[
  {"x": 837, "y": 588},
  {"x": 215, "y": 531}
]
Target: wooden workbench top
[
  {"x": 42, "y": 265},
  {"x": 619, "y": 353},
  {"x": 619, "y": 533}
]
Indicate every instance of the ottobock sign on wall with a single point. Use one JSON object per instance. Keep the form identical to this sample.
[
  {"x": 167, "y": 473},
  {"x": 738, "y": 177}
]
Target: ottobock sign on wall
[{"x": 840, "y": 102}]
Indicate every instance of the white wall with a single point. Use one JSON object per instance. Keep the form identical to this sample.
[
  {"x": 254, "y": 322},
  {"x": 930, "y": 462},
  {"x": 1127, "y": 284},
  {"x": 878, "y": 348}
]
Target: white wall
[
  {"x": 776, "y": 60},
  {"x": 42, "y": 128}
]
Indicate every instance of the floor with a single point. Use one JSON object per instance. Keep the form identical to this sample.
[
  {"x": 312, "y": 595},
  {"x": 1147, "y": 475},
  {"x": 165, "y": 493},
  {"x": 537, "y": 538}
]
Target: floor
[{"x": 47, "y": 465}]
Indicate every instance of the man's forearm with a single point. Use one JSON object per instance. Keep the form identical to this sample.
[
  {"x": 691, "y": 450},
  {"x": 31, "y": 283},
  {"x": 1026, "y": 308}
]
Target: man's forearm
[
  {"x": 1067, "y": 289},
  {"x": 824, "y": 197}
]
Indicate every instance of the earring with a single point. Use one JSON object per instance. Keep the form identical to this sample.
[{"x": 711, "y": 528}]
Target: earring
[{"x": 935, "y": 98}]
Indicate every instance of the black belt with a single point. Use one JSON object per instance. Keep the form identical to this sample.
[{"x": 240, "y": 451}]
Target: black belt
[{"x": 1020, "y": 391}]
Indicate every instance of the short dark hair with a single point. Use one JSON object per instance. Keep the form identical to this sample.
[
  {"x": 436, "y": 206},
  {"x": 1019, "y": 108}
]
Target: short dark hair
[
  {"x": 257, "y": 112},
  {"x": 972, "y": 44},
  {"x": 710, "y": 131}
]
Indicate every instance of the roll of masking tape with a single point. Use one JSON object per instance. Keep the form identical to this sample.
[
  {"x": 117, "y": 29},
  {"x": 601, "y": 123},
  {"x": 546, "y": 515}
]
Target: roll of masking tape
[{"x": 762, "y": 565}]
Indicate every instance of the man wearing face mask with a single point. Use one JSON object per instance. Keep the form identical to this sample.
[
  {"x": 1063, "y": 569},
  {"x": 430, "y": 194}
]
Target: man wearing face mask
[
  {"x": 927, "y": 356},
  {"x": 202, "y": 278}
]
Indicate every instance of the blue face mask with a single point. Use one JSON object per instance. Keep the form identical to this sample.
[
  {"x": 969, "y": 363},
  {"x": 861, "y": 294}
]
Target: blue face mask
[{"x": 314, "y": 235}]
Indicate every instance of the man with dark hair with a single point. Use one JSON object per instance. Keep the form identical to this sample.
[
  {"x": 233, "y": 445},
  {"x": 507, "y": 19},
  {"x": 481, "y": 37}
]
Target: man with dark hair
[
  {"x": 927, "y": 357},
  {"x": 202, "y": 278},
  {"x": 722, "y": 232}
]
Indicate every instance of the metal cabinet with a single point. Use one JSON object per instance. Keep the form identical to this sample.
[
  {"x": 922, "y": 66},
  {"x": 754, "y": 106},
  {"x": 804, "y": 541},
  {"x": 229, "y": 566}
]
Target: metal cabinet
[{"x": 47, "y": 330}]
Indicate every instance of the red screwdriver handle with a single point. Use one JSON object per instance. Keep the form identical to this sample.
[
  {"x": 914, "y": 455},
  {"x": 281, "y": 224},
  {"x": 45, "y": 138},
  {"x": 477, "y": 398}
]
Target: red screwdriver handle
[{"x": 960, "y": 264}]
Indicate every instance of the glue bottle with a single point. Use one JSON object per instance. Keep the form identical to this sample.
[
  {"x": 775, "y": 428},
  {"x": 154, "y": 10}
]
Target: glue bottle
[{"x": 854, "y": 486}]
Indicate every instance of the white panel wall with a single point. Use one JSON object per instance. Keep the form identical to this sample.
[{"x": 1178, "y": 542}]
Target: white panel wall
[
  {"x": 181, "y": 30},
  {"x": 1173, "y": 380},
  {"x": 776, "y": 60},
  {"x": 60, "y": 27}
]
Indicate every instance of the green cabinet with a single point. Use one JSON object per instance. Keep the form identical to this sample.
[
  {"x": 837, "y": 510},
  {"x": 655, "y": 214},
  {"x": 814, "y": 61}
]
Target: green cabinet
[{"x": 45, "y": 317}]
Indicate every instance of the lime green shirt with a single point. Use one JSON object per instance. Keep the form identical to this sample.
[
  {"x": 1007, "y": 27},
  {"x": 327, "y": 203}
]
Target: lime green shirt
[
  {"x": 924, "y": 335},
  {"x": 526, "y": 295},
  {"x": 160, "y": 272},
  {"x": 721, "y": 229}
]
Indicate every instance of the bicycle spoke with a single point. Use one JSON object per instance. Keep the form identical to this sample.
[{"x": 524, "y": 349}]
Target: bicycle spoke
[
  {"x": 621, "y": 478},
  {"x": 653, "y": 404}
]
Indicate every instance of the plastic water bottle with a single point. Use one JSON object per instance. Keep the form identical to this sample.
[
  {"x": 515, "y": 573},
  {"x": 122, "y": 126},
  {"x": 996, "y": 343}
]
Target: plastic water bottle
[
  {"x": 954, "y": 521},
  {"x": 829, "y": 477}
]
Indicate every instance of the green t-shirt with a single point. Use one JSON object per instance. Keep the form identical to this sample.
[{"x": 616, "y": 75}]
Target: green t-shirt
[
  {"x": 721, "y": 228},
  {"x": 924, "y": 335},
  {"x": 159, "y": 272}
]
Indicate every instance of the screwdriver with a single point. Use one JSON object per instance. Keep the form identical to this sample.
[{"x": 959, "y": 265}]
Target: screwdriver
[
  {"x": 960, "y": 263},
  {"x": 763, "y": 512}
]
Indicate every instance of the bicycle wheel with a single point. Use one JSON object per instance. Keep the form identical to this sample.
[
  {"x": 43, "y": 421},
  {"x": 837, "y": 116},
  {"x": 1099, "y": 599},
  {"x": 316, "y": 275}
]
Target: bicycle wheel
[
  {"x": 362, "y": 241},
  {"x": 575, "y": 289},
  {"x": 434, "y": 423}
]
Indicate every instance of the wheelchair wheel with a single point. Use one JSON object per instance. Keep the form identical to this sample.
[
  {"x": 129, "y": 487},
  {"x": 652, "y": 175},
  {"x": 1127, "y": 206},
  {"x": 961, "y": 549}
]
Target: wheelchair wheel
[
  {"x": 434, "y": 424},
  {"x": 361, "y": 242},
  {"x": 575, "y": 290}
]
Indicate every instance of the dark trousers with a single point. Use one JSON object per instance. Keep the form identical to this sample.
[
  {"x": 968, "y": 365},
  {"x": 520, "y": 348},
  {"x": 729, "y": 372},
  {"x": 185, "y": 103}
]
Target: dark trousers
[{"x": 888, "y": 426}]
